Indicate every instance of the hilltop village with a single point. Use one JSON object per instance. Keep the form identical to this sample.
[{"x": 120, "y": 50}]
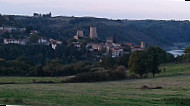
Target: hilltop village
[
  {"x": 94, "y": 48},
  {"x": 92, "y": 42},
  {"x": 108, "y": 48}
]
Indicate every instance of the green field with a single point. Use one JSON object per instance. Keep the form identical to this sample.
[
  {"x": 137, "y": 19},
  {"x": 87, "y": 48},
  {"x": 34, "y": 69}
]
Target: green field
[
  {"x": 175, "y": 82},
  {"x": 28, "y": 80}
]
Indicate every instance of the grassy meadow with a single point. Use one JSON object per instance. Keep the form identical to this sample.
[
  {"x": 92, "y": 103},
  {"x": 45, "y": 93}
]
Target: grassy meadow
[{"x": 175, "y": 81}]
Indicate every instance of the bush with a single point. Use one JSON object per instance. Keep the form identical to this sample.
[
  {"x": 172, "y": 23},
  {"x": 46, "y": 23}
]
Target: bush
[
  {"x": 76, "y": 68},
  {"x": 98, "y": 76}
]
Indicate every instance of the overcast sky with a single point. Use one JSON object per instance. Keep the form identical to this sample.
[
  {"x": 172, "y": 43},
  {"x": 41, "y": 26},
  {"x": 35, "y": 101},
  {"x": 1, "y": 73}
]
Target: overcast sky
[{"x": 122, "y": 9}]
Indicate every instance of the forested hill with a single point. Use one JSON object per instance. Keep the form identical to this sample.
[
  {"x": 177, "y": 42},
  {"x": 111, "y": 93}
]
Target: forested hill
[{"x": 154, "y": 32}]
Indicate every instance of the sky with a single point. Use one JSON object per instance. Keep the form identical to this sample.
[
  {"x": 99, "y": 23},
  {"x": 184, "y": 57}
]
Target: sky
[{"x": 112, "y": 9}]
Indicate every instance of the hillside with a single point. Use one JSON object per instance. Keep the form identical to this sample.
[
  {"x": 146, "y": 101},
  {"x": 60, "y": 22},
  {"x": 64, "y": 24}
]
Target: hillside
[{"x": 154, "y": 32}]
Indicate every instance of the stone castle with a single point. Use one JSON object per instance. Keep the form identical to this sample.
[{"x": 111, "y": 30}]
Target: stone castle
[{"x": 93, "y": 33}]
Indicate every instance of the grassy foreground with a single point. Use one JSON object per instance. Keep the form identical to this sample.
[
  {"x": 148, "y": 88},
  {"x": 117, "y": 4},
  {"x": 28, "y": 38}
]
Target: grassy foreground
[
  {"x": 29, "y": 80},
  {"x": 175, "y": 82}
]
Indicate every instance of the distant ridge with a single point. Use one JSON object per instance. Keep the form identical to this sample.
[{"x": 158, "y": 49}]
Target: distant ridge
[{"x": 163, "y": 33}]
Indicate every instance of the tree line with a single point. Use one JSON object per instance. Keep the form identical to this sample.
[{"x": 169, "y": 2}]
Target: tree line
[{"x": 42, "y": 60}]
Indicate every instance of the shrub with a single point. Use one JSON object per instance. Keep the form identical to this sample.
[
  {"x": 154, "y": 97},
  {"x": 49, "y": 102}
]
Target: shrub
[{"x": 98, "y": 76}]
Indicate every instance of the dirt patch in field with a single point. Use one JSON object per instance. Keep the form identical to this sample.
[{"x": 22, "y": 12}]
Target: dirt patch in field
[{"x": 147, "y": 87}]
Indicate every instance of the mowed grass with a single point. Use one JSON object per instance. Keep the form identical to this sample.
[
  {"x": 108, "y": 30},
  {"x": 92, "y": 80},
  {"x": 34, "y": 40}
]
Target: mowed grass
[
  {"x": 113, "y": 93},
  {"x": 26, "y": 80},
  {"x": 174, "y": 69}
]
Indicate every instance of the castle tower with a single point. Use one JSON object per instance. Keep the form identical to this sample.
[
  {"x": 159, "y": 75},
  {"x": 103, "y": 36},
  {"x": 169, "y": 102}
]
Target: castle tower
[
  {"x": 93, "y": 33},
  {"x": 80, "y": 33},
  {"x": 143, "y": 45}
]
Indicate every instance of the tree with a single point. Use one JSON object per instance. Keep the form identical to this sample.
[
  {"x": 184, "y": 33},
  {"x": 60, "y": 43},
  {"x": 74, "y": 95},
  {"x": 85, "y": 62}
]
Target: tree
[
  {"x": 24, "y": 59},
  {"x": 138, "y": 62},
  {"x": 28, "y": 29},
  {"x": 180, "y": 59},
  {"x": 108, "y": 62},
  {"x": 4, "y": 67},
  {"x": 53, "y": 67},
  {"x": 20, "y": 66},
  {"x": 34, "y": 38},
  {"x": 156, "y": 56},
  {"x": 169, "y": 58},
  {"x": 187, "y": 54},
  {"x": 124, "y": 60},
  {"x": 38, "y": 70},
  {"x": 187, "y": 50}
]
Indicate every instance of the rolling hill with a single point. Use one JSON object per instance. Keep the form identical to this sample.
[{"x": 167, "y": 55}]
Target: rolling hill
[{"x": 155, "y": 32}]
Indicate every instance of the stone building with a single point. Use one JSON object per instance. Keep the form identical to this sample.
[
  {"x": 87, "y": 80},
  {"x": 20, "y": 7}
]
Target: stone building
[
  {"x": 80, "y": 33},
  {"x": 93, "y": 33}
]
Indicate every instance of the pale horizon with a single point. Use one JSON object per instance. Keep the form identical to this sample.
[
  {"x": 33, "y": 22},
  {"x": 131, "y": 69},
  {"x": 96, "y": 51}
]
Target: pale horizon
[{"x": 111, "y": 9}]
